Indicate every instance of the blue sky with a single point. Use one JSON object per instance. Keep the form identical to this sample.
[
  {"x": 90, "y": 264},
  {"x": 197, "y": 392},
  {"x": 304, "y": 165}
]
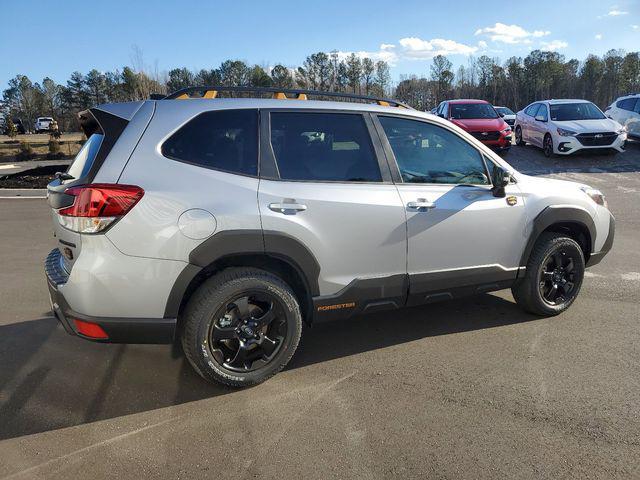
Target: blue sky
[{"x": 55, "y": 38}]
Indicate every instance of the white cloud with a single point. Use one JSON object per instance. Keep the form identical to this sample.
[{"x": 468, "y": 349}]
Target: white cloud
[
  {"x": 414, "y": 48},
  {"x": 616, "y": 13},
  {"x": 553, "y": 45},
  {"x": 598, "y": 36},
  {"x": 635, "y": 27},
  {"x": 386, "y": 53},
  {"x": 511, "y": 34}
]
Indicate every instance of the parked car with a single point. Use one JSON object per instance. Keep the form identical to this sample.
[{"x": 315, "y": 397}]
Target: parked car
[
  {"x": 226, "y": 223},
  {"x": 507, "y": 115},
  {"x": 43, "y": 124},
  {"x": 566, "y": 126},
  {"x": 626, "y": 111},
  {"x": 480, "y": 119}
]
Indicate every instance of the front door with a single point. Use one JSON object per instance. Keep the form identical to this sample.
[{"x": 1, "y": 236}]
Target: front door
[
  {"x": 461, "y": 238},
  {"x": 333, "y": 197}
]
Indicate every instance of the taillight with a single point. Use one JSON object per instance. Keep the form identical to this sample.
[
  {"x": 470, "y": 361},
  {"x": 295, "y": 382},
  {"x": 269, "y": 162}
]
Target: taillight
[
  {"x": 91, "y": 330},
  {"x": 98, "y": 205}
]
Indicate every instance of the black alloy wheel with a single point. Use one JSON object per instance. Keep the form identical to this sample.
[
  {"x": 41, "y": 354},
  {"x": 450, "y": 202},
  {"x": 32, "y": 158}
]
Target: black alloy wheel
[{"x": 247, "y": 332}]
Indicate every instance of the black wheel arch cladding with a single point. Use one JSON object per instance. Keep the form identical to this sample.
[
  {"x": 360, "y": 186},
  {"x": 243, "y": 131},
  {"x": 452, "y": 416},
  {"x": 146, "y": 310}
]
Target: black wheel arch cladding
[
  {"x": 560, "y": 215},
  {"x": 239, "y": 243}
]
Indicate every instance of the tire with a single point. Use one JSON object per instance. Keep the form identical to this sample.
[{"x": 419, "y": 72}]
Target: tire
[
  {"x": 547, "y": 146},
  {"x": 519, "y": 141},
  {"x": 534, "y": 291},
  {"x": 226, "y": 335}
]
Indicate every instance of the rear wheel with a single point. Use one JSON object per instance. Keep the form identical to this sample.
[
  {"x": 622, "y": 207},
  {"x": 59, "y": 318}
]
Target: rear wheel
[
  {"x": 241, "y": 327},
  {"x": 547, "y": 146},
  {"x": 519, "y": 140},
  {"x": 553, "y": 277}
]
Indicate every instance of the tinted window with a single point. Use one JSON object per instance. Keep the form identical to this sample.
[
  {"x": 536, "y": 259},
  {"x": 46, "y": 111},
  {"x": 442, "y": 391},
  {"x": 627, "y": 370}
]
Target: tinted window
[
  {"x": 323, "y": 147},
  {"x": 575, "y": 111},
  {"x": 224, "y": 140},
  {"x": 426, "y": 153},
  {"x": 532, "y": 109},
  {"x": 627, "y": 104},
  {"x": 637, "y": 108},
  {"x": 461, "y": 111}
]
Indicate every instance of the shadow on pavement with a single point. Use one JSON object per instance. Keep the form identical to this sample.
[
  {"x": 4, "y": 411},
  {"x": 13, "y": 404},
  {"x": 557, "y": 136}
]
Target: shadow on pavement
[{"x": 50, "y": 380}]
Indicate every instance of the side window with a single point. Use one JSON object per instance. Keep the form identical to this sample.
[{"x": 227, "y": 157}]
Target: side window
[
  {"x": 323, "y": 147},
  {"x": 637, "y": 107},
  {"x": 543, "y": 112},
  {"x": 427, "y": 153},
  {"x": 626, "y": 104},
  {"x": 532, "y": 109},
  {"x": 222, "y": 140}
]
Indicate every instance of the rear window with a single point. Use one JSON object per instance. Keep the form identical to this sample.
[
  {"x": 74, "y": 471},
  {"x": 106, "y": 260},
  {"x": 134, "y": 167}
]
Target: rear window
[
  {"x": 222, "y": 140},
  {"x": 323, "y": 147},
  {"x": 85, "y": 157},
  {"x": 505, "y": 111},
  {"x": 462, "y": 111}
]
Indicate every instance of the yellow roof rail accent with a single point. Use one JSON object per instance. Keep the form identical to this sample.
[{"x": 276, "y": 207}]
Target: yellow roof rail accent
[{"x": 214, "y": 91}]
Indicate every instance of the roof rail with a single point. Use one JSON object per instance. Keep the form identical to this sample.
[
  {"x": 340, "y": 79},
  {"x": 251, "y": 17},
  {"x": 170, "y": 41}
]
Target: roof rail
[{"x": 279, "y": 93}]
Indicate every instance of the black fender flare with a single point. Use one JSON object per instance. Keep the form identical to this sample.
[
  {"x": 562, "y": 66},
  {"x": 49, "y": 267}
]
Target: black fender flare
[
  {"x": 245, "y": 242},
  {"x": 558, "y": 214}
]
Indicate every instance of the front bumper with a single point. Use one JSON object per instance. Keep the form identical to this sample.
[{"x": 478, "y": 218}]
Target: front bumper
[
  {"x": 569, "y": 145},
  {"x": 118, "y": 330},
  {"x": 597, "y": 257}
]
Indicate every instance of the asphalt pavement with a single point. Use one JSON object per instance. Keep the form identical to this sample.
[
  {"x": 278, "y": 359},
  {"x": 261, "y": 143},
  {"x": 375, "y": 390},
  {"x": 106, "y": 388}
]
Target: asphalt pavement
[{"x": 473, "y": 388}]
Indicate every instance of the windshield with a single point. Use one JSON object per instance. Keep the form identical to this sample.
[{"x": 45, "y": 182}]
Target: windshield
[
  {"x": 505, "y": 111},
  {"x": 575, "y": 111},
  {"x": 85, "y": 157},
  {"x": 461, "y": 111}
]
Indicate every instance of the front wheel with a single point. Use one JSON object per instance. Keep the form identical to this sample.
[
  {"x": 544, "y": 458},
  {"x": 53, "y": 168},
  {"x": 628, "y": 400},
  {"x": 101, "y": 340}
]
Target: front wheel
[
  {"x": 553, "y": 277},
  {"x": 519, "y": 141},
  {"x": 241, "y": 327},
  {"x": 547, "y": 146}
]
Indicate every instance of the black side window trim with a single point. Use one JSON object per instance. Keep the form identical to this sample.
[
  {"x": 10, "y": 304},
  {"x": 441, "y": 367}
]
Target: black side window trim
[
  {"x": 268, "y": 166},
  {"x": 391, "y": 158},
  {"x": 215, "y": 169}
]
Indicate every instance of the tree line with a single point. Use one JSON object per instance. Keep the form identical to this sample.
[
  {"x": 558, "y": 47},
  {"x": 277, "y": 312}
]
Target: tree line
[{"x": 514, "y": 83}]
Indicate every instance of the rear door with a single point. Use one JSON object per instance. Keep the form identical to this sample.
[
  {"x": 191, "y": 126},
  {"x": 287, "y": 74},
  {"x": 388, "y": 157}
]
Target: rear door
[
  {"x": 528, "y": 120},
  {"x": 325, "y": 182},
  {"x": 459, "y": 234}
]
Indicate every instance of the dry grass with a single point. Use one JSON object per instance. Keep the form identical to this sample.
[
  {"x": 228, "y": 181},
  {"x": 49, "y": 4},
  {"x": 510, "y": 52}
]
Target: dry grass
[{"x": 69, "y": 145}]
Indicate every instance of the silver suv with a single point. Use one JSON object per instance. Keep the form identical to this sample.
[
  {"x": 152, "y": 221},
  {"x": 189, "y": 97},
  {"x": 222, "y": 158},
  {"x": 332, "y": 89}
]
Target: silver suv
[{"x": 228, "y": 222}]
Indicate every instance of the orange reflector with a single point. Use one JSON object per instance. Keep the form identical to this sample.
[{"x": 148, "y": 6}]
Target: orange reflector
[{"x": 90, "y": 330}]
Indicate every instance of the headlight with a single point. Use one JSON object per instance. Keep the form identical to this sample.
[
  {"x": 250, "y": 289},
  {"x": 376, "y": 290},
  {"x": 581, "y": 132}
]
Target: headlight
[
  {"x": 566, "y": 133},
  {"x": 506, "y": 130},
  {"x": 596, "y": 195},
  {"x": 622, "y": 130}
]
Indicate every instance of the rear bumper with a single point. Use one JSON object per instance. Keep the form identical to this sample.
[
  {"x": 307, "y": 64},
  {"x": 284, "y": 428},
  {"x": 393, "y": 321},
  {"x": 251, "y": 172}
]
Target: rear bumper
[{"x": 118, "y": 330}]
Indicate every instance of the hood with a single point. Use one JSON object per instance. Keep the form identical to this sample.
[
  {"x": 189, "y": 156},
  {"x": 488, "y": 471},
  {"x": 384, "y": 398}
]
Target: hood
[
  {"x": 480, "y": 124},
  {"x": 589, "y": 126},
  {"x": 551, "y": 183}
]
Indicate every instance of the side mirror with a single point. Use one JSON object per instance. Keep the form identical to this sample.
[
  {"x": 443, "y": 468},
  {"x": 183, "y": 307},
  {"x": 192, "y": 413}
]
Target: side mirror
[
  {"x": 441, "y": 115},
  {"x": 500, "y": 179},
  {"x": 502, "y": 115},
  {"x": 540, "y": 118}
]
